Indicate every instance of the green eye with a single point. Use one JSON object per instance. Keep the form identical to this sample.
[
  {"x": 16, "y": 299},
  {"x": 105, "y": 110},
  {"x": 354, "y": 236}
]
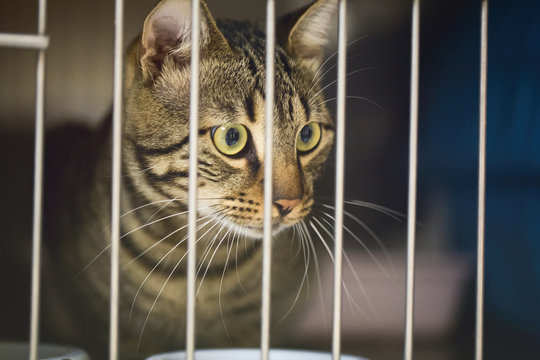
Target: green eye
[
  {"x": 230, "y": 139},
  {"x": 308, "y": 137}
]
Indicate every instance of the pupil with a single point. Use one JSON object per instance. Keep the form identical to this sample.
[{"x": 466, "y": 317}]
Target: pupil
[
  {"x": 232, "y": 136},
  {"x": 306, "y": 133}
]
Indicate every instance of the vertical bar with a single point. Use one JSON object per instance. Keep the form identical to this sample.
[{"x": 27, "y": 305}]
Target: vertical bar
[
  {"x": 38, "y": 188},
  {"x": 268, "y": 201},
  {"x": 340, "y": 174},
  {"x": 481, "y": 184},
  {"x": 192, "y": 180},
  {"x": 413, "y": 156},
  {"x": 116, "y": 176}
]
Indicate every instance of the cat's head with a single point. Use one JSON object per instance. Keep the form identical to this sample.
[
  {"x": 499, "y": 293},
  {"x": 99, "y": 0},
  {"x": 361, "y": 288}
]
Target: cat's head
[{"x": 231, "y": 120}]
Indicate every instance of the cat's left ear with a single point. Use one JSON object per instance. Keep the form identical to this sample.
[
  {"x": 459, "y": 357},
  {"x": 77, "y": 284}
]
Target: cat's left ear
[
  {"x": 304, "y": 33},
  {"x": 167, "y": 35}
]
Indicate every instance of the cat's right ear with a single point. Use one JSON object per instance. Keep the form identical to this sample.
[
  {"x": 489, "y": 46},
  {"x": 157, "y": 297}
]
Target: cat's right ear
[{"x": 167, "y": 36}]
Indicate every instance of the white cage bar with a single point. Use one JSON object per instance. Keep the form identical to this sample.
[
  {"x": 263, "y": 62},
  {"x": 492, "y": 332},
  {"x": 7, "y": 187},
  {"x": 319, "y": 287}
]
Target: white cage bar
[
  {"x": 413, "y": 162},
  {"x": 38, "y": 187},
  {"x": 268, "y": 159},
  {"x": 340, "y": 177},
  {"x": 481, "y": 183},
  {"x": 192, "y": 182},
  {"x": 116, "y": 178},
  {"x": 40, "y": 42},
  {"x": 37, "y": 42}
]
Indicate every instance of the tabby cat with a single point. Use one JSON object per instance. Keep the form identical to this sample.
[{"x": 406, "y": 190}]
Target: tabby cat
[{"x": 154, "y": 185}]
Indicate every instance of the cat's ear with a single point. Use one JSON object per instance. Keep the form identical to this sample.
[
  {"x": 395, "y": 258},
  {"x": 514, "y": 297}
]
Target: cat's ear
[
  {"x": 304, "y": 33},
  {"x": 167, "y": 35}
]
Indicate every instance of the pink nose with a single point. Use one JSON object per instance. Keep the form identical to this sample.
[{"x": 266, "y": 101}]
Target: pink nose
[{"x": 285, "y": 206}]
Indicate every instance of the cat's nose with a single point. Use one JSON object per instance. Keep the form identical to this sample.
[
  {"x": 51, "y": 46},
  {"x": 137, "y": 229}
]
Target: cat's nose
[{"x": 285, "y": 206}]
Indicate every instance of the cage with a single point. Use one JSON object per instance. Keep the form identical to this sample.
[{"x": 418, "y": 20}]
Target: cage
[{"x": 442, "y": 276}]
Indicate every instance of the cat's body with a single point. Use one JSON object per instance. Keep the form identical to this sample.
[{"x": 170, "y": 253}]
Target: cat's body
[
  {"x": 154, "y": 187},
  {"x": 228, "y": 302}
]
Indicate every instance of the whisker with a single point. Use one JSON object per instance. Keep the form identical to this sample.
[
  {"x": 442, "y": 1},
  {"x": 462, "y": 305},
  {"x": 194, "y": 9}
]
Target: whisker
[
  {"x": 229, "y": 249},
  {"x": 146, "y": 205},
  {"x": 163, "y": 201},
  {"x": 348, "y": 75},
  {"x": 361, "y": 243},
  {"x": 295, "y": 230},
  {"x": 163, "y": 287},
  {"x": 307, "y": 259},
  {"x": 91, "y": 262},
  {"x": 318, "y": 276},
  {"x": 364, "y": 226},
  {"x": 396, "y": 215},
  {"x": 238, "y": 233},
  {"x": 156, "y": 266},
  {"x": 304, "y": 277},
  {"x": 331, "y": 255},
  {"x": 213, "y": 255},
  {"x": 356, "y": 277},
  {"x": 353, "y": 97},
  {"x": 109, "y": 245},
  {"x": 167, "y": 236},
  {"x": 210, "y": 244},
  {"x": 156, "y": 299},
  {"x": 167, "y": 254},
  {"x": 161, "y": 219},
  {"x": 141, "y": 171},
  {"x": 316, "y": 79},
  {"x": 208, "y": 249},
  {"x": 160, "y": 209},
  {"x": 332, "y": 56}
]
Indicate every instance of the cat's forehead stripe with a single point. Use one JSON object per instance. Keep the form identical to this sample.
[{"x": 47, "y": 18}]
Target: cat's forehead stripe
[
  {"x": 155, "y": 150},
  {"x": 285, "y": 62},
  {"x": 250, "y": 108},
  {"x": 305, "y": 104}
]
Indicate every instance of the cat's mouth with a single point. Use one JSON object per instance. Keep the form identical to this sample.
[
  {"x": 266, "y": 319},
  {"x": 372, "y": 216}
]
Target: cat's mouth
[{"x": 256, "y": 231}]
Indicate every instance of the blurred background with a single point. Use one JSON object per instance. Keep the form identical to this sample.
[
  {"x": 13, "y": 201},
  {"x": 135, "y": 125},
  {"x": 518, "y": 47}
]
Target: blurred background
[{"x": 79, "y": 89}]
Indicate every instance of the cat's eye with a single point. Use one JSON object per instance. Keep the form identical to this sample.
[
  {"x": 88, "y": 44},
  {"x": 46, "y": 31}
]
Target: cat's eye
[
  {"x": 230, "y": 139},
  {"x": 308, "y": 137}
]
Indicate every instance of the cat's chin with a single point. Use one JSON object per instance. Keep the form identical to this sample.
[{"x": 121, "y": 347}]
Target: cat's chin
[{"x": 257, "y": 232}]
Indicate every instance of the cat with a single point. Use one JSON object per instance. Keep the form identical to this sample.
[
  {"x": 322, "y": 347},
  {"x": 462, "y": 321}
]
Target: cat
[{"x": 154, "y": 187}]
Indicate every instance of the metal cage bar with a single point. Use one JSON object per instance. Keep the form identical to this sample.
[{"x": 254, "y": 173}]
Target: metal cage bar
[
  {"x": 413, "y": 163},
  {"x": 24, "y": 41},
  {"x": 40, "y": 42},
  {"x": 116, "y": 176},
  {"x": 38, "y": 187},
  {"x": 192, "y": 181},
  {"x": 340, "y": 174},
  {"x": 481, "y": 183},
  {"x": 268, "y": 201}
]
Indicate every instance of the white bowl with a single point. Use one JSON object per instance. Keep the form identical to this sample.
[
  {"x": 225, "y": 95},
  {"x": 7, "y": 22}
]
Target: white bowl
[
  {"x": 251, "y": 354},
  {"x": 19, "y": 351}
]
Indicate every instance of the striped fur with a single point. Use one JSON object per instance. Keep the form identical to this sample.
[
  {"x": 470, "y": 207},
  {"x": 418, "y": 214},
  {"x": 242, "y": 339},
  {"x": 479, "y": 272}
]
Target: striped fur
[{"x": 155, "y": 169}]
